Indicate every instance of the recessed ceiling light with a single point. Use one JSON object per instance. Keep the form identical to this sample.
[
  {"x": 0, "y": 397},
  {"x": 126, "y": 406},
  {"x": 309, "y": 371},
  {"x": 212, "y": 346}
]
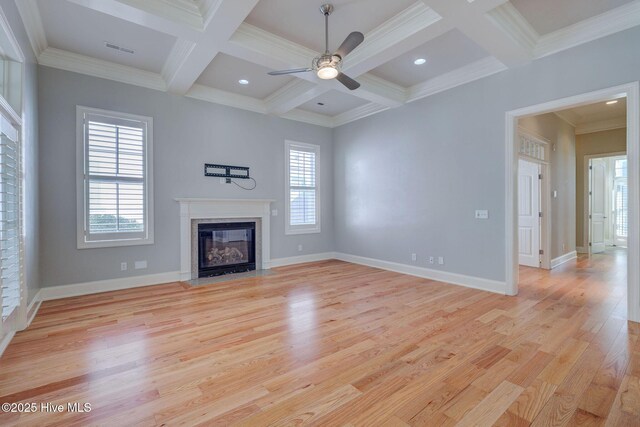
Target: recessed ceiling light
[
  {"x": 243, "y": 81},
  {"x": 615, "y": 101},
  {"x": 420, "y": 61}
]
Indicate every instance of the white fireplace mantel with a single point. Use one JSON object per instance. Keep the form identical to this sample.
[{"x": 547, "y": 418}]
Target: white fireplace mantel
[{"x": 192, "y": 208}]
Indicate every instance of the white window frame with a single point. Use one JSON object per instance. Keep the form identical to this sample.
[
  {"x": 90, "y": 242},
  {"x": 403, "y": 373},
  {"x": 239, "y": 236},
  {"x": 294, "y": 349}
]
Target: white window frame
[
  {"x": 301, "y": 229},
  {"x": 111, "y": 239}
]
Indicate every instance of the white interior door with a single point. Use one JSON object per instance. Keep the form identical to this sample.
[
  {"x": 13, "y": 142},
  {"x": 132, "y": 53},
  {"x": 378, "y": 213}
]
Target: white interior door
[
  {"x": 598, "y": 204},
  {"x": 529, "y": 213}
]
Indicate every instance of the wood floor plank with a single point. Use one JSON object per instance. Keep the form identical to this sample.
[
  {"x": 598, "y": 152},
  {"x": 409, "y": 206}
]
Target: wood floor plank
[{"x": 332, "y": 343}]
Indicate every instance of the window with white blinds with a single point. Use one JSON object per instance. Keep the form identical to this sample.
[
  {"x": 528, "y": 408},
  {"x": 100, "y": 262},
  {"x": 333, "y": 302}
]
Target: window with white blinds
[
  {"x": 303, "y": 197},
  {"x": 10, "y": 226},
  {"x": 115, "y": 188}
]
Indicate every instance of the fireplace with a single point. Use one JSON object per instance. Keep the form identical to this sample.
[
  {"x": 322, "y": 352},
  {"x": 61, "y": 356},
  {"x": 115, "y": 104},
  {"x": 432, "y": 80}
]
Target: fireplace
[{"x": 227, "y": 247}]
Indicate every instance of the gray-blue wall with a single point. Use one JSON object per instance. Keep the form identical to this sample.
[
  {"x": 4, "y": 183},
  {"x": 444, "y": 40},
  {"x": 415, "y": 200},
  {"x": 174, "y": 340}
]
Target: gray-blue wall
[
  {"x": 408, "y": 180},
  {"x": 187, "y": 133}
]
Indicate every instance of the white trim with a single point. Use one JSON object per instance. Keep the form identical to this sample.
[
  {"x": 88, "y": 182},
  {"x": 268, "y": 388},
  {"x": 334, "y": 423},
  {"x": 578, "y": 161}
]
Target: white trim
[
  {"x": 586, "y": 224},
  {"x": 6, "y": 340},
  {"x": 195, "y": 208},
  {"x": 68, "y": 61},
  {"x": 463, "y": 75},
  {"x": 564, "y": 258},
  {"x": 426, "y": 273},
  {"x": 603, "y": 125},
  {"x": 230, "y": 99},
  {"x": 113, "y": 239},
  {"x": 301, "y": 229},
  {"x": 30, "y": 14},
  {"x": 301, "y": 259},
  {"x": 605, "y": 24},
  {"x": 358, "y": 113},
  {"x": 88, "y": 288},
  {"x": 632, "y": 92},
  {"x": 33, "y": 307}
]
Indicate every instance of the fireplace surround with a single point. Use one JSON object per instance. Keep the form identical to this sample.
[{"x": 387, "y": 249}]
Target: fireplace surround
[{"x": 194, "y": 211}]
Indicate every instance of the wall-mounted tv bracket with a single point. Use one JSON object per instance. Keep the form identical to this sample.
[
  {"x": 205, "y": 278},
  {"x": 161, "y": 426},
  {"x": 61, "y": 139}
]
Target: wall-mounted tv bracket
[{"x": 226, "y": 171}]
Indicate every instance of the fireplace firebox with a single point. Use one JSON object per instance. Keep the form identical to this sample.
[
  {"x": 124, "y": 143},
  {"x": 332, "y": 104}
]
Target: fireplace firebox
[{"x": 225, "y": 248}]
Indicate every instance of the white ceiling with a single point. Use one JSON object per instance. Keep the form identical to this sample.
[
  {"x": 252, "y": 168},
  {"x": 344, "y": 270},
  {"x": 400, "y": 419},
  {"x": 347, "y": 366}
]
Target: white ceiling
[
  {"x": 225, "y": 71},
  {"x": 446, "y": 53},
  {"x": 334, "y": 103},
  {"x": 302, "y": 23},
  {"x": 551, "y": 15},
  {"x": 598, "y": 112},
  {"x": 201, "y": 48},
  {"x": 81, "y": 30}
]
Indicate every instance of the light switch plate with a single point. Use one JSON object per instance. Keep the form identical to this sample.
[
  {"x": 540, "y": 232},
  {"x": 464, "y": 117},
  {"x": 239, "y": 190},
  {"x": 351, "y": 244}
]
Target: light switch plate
[{"x": 482, "y": 214}]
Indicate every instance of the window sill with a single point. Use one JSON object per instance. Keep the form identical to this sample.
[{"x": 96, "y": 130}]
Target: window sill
[
  {"x": 294, "y": 231},
  {"x": 113, "y": 243}
]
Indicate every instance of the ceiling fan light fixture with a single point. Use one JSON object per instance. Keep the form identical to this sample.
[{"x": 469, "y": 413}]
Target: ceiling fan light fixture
[{"x": 328, "y": 72}]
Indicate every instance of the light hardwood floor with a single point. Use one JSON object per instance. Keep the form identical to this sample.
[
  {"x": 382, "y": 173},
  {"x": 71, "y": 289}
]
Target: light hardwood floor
[{"x": 332, "y": 343}]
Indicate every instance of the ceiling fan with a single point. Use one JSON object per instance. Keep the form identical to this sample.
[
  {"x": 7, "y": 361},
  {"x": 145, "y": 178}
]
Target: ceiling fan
[{"x": 327, "y": 65}]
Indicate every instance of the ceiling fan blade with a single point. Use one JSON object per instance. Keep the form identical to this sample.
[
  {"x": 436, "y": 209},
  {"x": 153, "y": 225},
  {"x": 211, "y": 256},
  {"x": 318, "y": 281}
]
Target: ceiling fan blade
[
  {"x": 348, "y": 81},
  {"x": 282, "y": 72},
  {"x": 352, "y": 41}
]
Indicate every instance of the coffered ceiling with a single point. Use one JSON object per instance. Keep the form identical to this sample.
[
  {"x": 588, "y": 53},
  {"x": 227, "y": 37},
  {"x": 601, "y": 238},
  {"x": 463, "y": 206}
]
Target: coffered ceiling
[{"x": 203, "y": 48}]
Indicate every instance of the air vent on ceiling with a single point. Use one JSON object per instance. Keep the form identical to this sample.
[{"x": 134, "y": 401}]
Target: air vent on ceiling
[{"x": 118, "y": 48}]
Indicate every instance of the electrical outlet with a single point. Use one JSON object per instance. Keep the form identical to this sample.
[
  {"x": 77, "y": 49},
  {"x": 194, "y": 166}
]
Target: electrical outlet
[
  {"x": 432, "y": 260},
  {"x": 123, "y": 266},
  {"x": 482, "y": 214},
  {"x": 274, "y": 212},
  {"x": 414, "y": 257},
  {"x": 222, "y": 181},
  {"x": 441, "y": 260},
  {"x": 299, "y": 248},
  {"x": 139, "y": 265}
]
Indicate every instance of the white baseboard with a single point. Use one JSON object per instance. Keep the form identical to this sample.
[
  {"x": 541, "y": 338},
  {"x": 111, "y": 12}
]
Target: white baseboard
[
  {"x": 564, "y": 258},
  {"x": 65, "y": 291},
  {"x": 582, "y": 250},
  {"x": 281, "y": 262},
  {"x": 426, "y": 273},
  {"x": 4, "y": 343},
  {"x": 33, "y": 307}
]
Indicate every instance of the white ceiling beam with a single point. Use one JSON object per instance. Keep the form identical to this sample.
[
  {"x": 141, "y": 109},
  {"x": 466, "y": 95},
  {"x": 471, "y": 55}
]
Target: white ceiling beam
[
  {"x": 263, "y": 48},
  {"x": 224, "y": 21},
  {"x": 409, "y": 29},
  {"x": 30, "y": 14},
  {"x": 473, "y": 20},
  {"x": 166, "y": 20}
]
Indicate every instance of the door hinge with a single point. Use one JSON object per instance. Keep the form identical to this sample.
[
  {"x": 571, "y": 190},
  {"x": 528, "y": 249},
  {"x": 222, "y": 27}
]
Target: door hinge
[
  {"x": 590, "y": 193},
  {"x": 590, "y": 168},
  {"x": 541, "y": 252},
  {"x": 590, "y": 217},
  {"x": 589, "y": 243},
  {"x": 540, "y": 214},
  {"x": 539, "y": 176}
]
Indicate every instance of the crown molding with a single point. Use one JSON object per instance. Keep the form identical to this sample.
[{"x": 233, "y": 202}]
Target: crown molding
[
  {"x": 603, "y": 125},
  {"x": 61, "y": 59},
  {"x": 217, "y": 96},
  {"x": 180, "y": 51},
  {"x": 358, "y": 113},
  {"x": 568, "y": 116},
  {"x": 30, "y": 14},
  {"x": 249, "y": 42},
  {"x": 381, "y": 91},
  {"x": 294, "y": 93},
  {"x": 509, "y": 19},
  {"x": 394, "y": 31},
  {"x": 308, "y": 117},
  {"x": 611, "y": 22},
  {"x": 183, "y": 12},
  {"x": 474, "y": 71}
]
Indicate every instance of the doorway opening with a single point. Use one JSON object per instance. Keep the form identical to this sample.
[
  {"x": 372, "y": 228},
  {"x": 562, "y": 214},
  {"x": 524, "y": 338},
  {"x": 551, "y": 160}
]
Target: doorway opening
[{"x": 574, "y": 218}]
